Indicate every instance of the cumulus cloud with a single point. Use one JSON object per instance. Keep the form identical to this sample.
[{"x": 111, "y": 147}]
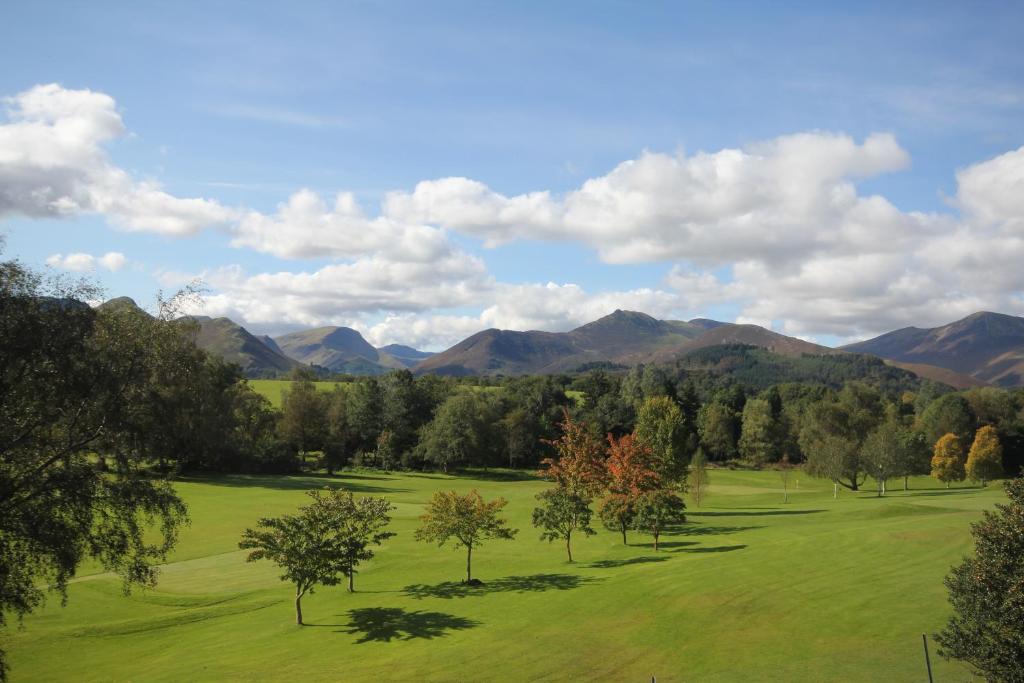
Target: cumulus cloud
[
  {"x": 80, "y": 262},
  {"x": 53, "y": 164}
]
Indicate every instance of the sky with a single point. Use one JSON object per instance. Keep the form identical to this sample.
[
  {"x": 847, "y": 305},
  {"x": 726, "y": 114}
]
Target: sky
[{"x": 422, "y": 171}]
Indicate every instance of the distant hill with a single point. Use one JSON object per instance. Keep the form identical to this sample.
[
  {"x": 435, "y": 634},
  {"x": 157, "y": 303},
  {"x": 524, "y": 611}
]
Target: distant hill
[
  {"x": 406, "y": 355},
  {"x": 232, "y": 342},
  {"x": 988, "y": 347},
  {"x": 339, "y": 349},
  {"x": 754, "y": 335},
  {"x": 121, "y": 304},
  {"x": 269, "y": 342}
]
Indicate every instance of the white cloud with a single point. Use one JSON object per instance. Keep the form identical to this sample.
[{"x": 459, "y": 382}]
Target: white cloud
[
  {"x": 80, "y": 262},
  {"x": 52, "y": 163}
]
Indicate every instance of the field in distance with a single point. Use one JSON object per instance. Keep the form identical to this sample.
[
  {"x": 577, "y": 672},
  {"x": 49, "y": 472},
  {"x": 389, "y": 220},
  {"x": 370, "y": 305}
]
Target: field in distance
[{"x": 749, "y": 589}]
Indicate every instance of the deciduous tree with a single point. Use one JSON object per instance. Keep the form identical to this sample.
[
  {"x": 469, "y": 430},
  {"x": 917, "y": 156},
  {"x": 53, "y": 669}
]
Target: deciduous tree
[
  {"x": 631, "y": 473},
  {"x": 985, "y": 459},
  {"x": 698, "y": 477},
  {"x": 466, "y": 518},
  {"x": 659, "y": 510},
  {"x": 948, "y": 459},
  {"x": 560, "y": 514}
]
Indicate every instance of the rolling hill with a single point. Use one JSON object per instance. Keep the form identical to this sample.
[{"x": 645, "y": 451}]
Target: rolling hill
[
  {"x": 406, "y": 355},
  {"x": 988, "y": 347},
  {"x": 339, "y": 349},
  {"x": 232, "y": 342}
]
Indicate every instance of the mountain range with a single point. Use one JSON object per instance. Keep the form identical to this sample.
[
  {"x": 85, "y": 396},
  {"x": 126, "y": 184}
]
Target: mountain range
[{"x": 983, "y": 348}]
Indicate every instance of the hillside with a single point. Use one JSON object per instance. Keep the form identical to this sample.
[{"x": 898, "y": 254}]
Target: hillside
[
  {"x": 623, "y": 337},
  {"x": 233, "y": 343},
  {"x": 339, "y": 349},
  {"x": 406, "y": 355},
  {"x": 986, "y": 346}
]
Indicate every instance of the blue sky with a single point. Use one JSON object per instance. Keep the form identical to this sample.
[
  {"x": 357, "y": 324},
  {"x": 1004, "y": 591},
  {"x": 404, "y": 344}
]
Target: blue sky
[{"x": 832, "y": 171}]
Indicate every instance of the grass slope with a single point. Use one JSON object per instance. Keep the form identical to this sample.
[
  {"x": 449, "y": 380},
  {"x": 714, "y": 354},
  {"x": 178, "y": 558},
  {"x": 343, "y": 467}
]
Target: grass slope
[
  {"x": 272, "y": 389},
  {"x": 750, "y": 589}
]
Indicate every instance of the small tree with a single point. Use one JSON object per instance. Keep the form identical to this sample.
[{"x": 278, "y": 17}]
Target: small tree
[
  {"x": 580, "y": 467},
  {"x": 699, "y": 477},
  {"x": 469, "y": 519},
  {"x": 948, "y": 460},
  {"x": 560, "y": 514},
  {"x": 325, "y": 541},
  {"x": 985, "y": 459},
  {"x": 785, "y": 469},
  {"x": 985, "y": 593},
  {"x": 882, "y": 453},
  {"x": 658, "y": 510},
  {"x": 630, "y": 473}
]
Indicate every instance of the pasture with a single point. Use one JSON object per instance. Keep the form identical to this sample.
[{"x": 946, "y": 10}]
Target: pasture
[{"x": 749, "y": 589}]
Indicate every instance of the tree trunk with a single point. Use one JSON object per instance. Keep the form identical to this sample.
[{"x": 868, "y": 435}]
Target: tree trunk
[
  {"x": 883, "y": 487},
  {"x": 469, "y": 559},
  {"x": 351, "y": 581},
  {"x": 656, "y": 535},
  {"x": 568, "y": 545},
  {"x": 624, "y": 534},
  {"x": 835, "y": 490},
  {"x": 298, "y": 607},
  {"x": 947, "y": 484},
  {"x": 905, "y": 487}
]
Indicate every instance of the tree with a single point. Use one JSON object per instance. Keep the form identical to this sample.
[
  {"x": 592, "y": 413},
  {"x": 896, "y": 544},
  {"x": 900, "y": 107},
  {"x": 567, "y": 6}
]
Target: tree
[
  {"x": 658, "y": 510},
  {"x": 74, "y": 381},
  {"x": 948, "y": 460},
  {"x": 337, "y": 433},
  {"x": 698, "y": 477},
  {"x": 833, "y": 433},
  {"x": 716, "y": 424},
  {"x": 561, "y": 513},
  {"x": 364, "y": 408},
  {"x": 985, "y": 459},
  {"x": 458, "y": 432},
  {"x": 882, "y": 453},
  {"x": 580, "y": 467},
  {"x": 759, "y": 435},
  {"x": 987, "y": 626},
  {"x": 631, "y": 473},
  {"x": 469, "y": 519},
  {"x": 950, "y": 413},
  {"x": 785, "y": 469},
  {"x": 303, "y": 416},
  {"x": 659, "y": 425},
  {"x": 325, "y": 541}
]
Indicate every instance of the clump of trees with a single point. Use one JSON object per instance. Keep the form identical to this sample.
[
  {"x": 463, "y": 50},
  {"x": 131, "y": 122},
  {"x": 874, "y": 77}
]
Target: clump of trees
[{"x": 325, "y": 541}]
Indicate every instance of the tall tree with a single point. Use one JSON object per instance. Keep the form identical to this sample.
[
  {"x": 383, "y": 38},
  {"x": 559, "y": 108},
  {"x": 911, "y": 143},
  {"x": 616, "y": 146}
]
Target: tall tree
[
  {"x": 364, "y": 408},
  {"x": 985, "y": 459},
  {"x": 948, "y": 459},
  {"x": 759, "y": 435},
  {"x": 985, "y": 592},
  {"x": 660, "y": 426},
  {"x": 579, "y": 467},
  {"x": 560, "y": 514},
  {"x": 74, "y": 381},
  {"x": 468, "y": 519},
  {"x": 950, "y": 413},
  {"x": 882, "y": 453},
  {"x": 717, "y": 426},
  {"x": 830, "y": 441},
  {"x": 303, "y": 416},
  {"x": 458, "y": 434},
  {"x": 337, "y": 432}
]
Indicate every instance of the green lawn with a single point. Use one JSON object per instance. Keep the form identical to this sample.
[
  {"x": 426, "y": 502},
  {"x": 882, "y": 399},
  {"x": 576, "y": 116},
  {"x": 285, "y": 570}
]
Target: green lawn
[{"x": 750, "y": 590}]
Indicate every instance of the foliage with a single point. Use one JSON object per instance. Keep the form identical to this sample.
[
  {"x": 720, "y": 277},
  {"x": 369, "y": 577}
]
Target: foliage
[
  {"x": 631, "y": 466},
  {"x": 985, "y": 459},
  {"x": 950, "y": 413},
  {"x": 562, "y": 512},
  {"x": 469, "y": 519},
  {"x": 579, "y": 468},
  {"x": 987, "y": 627},
  {"x": 759, "y": 436},
  {"x": 717, "y": 425},
  {"x": 698, "y": 477},
  {"x": 658, "y": 510},
  {"x": 660, "y": 425},
  {"x": 325, "y": 541},
  {"x": 948, "y": 459},
  {"x": 303, "y": 416}
]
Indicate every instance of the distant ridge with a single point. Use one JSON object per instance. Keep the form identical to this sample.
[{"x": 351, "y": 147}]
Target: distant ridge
[
  {"x": 986, "y": 346},
  {"x": 232, "y": 342}
]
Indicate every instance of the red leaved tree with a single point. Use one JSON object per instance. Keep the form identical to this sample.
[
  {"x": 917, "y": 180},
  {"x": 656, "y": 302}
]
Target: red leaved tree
[
  {"x": 579, "y": 468},
  {"x": 630, "y": 474}
]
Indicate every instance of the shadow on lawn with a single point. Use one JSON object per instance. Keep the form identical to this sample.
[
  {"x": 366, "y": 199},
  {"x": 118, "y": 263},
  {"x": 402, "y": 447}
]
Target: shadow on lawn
[
  {"x": 697, "y": 530},
  {"x": 384, "y": 624},
  {"x": 760, "y": 513},
  {"x": 612, "y": 564},
  {"x": 712, "y": 549},
  {"x": 535, "y": 583},
  {"x": 347, "y": 482}
]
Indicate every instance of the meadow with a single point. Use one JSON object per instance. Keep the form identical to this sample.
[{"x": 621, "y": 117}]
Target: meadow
[{"x": 749, "y": 589}]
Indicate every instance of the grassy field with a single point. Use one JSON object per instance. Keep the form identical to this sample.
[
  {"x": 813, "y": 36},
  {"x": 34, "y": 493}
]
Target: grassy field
[
  {"x": 751, "y": 589},
  {"x": 272, "y": 389}
]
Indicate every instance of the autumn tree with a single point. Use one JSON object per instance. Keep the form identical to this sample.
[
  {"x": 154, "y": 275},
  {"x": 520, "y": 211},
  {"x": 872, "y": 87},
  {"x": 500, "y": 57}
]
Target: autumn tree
[
  {"x": 658, "y": 510},
  {"x": 948, "y": 459},
  {"x": 324, "y": 542},
  {"x": 466, "y": 518},
  {"x": 985, "y": 593},
  {"x": 985, "y": 459},
  {"x": 579, "y": 468},
  {"x": 560, "y": 514},
  {"x": 631, "y": 473},
  {"x": 698, "y": 476}
]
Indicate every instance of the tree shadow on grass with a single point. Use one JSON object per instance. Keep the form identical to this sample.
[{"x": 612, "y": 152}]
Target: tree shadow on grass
[
  {"x": 697, "y": 530},
  {"x": 762, "y": 513},
  {"x": 662, "y": 545},
  {"x": 936, "y": 492},
  {"x": 384, "y": 624},
  {"x": 612, "y": 564},
  {"x": 712, "y": 549},
  {"x": 535, "y": 583},
  {"x": 297, "y": 482}
]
